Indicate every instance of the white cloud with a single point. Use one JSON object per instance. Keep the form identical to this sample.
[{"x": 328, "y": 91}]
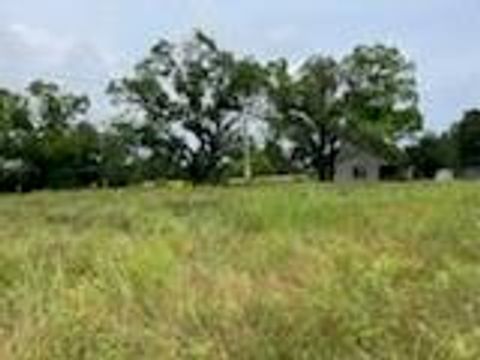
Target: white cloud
[
  {"x": 23, "y": 48},
  {"x": 28, "y": 53},
  {"x": 72, "y": 39}
]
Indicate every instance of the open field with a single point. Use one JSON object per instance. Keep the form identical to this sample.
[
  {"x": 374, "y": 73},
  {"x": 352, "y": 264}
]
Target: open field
[{"x": 287, "y": 271}]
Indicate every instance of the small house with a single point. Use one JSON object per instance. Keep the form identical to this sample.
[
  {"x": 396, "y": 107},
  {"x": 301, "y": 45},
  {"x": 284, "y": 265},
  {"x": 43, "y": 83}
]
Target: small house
[
  {"x": 361, "y": 161},
  {"x": 444, "y": 175}
]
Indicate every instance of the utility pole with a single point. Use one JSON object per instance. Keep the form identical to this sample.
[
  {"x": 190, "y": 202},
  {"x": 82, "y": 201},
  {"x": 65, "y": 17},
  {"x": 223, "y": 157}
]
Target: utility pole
[{"x": 247, "y": 156}]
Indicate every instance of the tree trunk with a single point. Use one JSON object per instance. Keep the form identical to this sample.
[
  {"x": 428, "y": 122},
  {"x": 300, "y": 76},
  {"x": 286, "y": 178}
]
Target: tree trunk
[
  {"x": 321, "y": 174},
  {"x": 320, "y": 156},
  {"x": 332, "y": 157}
]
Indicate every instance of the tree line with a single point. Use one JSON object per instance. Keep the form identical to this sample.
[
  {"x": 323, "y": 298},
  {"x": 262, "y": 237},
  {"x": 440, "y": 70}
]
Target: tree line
[
  {"x": 457, "y": 148},
  {"x": 196, "y": 112}
]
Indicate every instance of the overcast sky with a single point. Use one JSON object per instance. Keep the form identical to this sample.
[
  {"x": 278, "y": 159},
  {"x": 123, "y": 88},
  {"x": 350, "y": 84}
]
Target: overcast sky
[{"x": 85, "y": 42}]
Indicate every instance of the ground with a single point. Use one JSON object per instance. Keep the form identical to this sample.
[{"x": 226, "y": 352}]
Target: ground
[{"x": 287, "y": 271}]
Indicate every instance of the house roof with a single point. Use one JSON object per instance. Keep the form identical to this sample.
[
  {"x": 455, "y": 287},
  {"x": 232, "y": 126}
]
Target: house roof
[{"x": 373, "y": 145}]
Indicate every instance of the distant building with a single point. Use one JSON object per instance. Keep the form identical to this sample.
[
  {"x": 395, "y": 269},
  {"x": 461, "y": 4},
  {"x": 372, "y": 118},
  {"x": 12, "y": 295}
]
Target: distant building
[
  {"x": 470, "y": 173},
  {"x": 368, "y": 162},
  {"x": 445, "y": 175}
]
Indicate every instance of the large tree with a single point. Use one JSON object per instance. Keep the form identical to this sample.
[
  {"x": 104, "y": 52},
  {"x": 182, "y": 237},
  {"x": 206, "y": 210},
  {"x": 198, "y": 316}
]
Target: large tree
[
  {"x": 64, "y": 146},
  {"x": 370, "y": 96},
  {"x": 192, "y": 96},
  {"x": 380, "y": 93},
  {"x": 307, "y": 112}
]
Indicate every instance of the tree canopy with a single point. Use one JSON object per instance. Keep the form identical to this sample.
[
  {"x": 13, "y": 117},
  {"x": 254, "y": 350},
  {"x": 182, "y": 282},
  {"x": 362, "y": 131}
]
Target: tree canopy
[
  {"x": 308, "y": 111},
  {"x": 370, "y": 94},
  {"x": 192, "y": 96},
  {"x": 194, "y": 111},
  {"x": 381, "y": 95}
]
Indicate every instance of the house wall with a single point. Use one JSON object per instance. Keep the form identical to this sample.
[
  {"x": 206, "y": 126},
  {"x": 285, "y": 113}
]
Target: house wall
[
  {"x": 345, "y": 170},
  {"x": 444, "y": 175}
]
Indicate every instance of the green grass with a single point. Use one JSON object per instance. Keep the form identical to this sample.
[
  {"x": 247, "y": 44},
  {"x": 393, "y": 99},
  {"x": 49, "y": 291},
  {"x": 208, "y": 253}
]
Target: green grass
[{"x": 293, "y": 271}]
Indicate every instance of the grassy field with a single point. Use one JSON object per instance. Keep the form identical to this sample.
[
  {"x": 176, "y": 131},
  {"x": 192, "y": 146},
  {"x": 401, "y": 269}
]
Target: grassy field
[{"x": 292, "y": 271}]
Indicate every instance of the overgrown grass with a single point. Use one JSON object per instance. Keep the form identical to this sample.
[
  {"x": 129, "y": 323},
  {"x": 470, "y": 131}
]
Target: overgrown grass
[{"x": 268, "y": 272}]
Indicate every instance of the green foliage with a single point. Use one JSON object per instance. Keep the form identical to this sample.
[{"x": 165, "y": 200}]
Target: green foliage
[
  {"x": 55, "y": 110},
  {"x": 201, "y": 114},
  {"x": 308, "y": 112},
  {"x": 370, "y": 94},
  {"x": 15, "y": 123},
  {"x": 466, "y": 134},
  {"x": 64, "y": 147},
  {"x": 192, "y": 96},
  {"x": 46, "y": 141},
  {"x": 15, "y": 130},
  {"x": 381, "y": 92},
  {"x": 457, "y": 148},
  {"x": 432, "y": 153}
]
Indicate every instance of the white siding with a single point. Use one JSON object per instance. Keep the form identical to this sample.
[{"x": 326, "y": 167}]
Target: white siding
[{"x": 369, "y": 166}]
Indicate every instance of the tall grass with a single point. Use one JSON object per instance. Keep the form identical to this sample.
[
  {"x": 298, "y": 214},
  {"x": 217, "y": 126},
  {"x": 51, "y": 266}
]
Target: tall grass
[{"x": 268, "y": 272}]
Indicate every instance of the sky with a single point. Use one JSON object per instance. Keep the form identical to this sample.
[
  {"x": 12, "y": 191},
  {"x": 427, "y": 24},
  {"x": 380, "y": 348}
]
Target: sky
[{"x": 83, "y": 44}]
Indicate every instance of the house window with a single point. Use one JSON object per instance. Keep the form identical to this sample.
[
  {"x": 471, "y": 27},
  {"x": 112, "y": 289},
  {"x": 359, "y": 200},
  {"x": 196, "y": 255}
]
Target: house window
[{"x": 360, "y": 172}]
